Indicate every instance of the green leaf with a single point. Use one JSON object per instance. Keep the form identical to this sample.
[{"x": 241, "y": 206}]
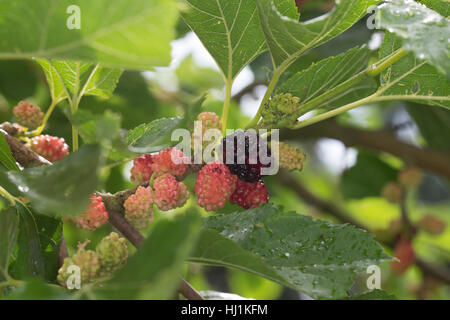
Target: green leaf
[
  {"x": 153, "y": 271},
  {"x": 6, "y": 183},
  {"x": 375, "y": 294},
  {"x": 367, "y": 177},
  {"x": 312, "y": 256},
  {"x": 29, "y": 261},
  {"x": 38, "y": 290},
  {"x": 69, "y": 79},
  {"x": 217, "y": 295},
  {"x": 94, "y": 128},
  {"x": 327, "y": 74},
  {"x": 215, "y": 249},
  {"x": 433, "y": 125},
  {"x": 9, "y": 222},
  {"x": 412, "y": 79},
  {"x": 153, "y": 136},
  {"x": 63, "y": 188},
  {"x": 6, "y": 157},
  {"x": 440, "y": 6},
  {"x": 106, "y": 34},
  {"x": 229, "y": 29},
  {"x": 101, "y": 82},
  {"x": 157, "y": 135},
  {"x": 422, "y": 31},
  {"x": 50, "y": 231},
  {"x": 288, "y": 38},
  {"x": 23, "y": 84}
]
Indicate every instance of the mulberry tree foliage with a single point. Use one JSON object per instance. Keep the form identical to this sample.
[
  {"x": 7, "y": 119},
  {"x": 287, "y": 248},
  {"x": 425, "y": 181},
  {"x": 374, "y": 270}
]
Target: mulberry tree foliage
[{"x": 92, "y": 162}]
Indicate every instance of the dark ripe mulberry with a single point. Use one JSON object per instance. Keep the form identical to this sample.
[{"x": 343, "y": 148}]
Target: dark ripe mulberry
[{"x": 247, "y": 150}]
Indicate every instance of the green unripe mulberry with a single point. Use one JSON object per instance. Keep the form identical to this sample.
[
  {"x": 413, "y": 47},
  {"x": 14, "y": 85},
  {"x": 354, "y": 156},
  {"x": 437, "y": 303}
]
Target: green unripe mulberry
[
  {"x": 280, "y": 106},
  {"x": 86, "y": 260},
  {"x": 290, "y": 157},
  {"x": 112, "y": 252}
]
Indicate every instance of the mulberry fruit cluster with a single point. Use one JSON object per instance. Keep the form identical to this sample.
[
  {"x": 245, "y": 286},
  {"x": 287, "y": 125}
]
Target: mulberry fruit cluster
[
  {"x": 28, "y": 115},
  {"x": 86, "y": 260},
  {"x": 165, "y": 191},
  {"x": 139, "y": 208},
  {"x": 250, "y": 195},
  {"x": 112, "y": 252},
  {"x": 110, "y": 255},
  {"x": 215, "y": 185},
  {"x": 171, "y": 160},
  {"x": 237, "y": 176},
  {"x": 290, "y": 157},
  {"x": 169, "y": 193},
  {"x": 209, "y": 120},
  {"x": 278, "y": 107},
  {"x": 95, "y": 215},
  {"x": 141, "y": 171},
  {"x": 51, "y": 148}
]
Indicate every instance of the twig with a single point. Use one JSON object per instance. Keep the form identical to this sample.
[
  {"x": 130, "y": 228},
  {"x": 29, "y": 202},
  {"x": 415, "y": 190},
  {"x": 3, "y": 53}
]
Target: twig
[
  {"x": 63, "y": 253},
  {"x": 409, "y": 227},
  {"x": 434, "y": 271},
  {"x": 379, "y": 140},
  {"x": 188, "y": 291},
  {"x": 22, "y": 154},
  {"x": 315, "y": 201}
]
